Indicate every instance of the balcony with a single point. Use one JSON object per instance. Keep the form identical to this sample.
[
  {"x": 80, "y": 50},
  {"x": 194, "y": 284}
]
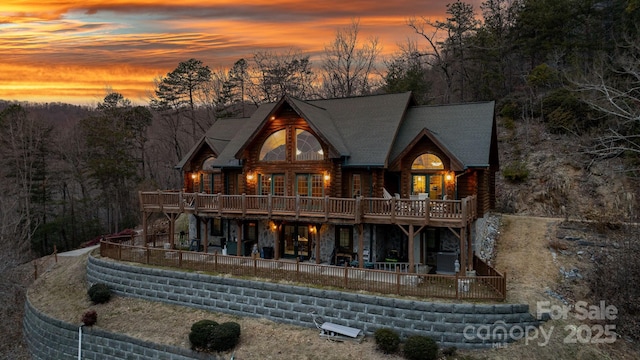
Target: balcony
[{"x": 421, "y": 212}]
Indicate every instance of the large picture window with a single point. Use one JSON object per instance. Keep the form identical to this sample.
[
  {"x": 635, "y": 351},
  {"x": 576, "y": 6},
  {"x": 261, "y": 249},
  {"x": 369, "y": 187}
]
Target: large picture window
[
  {"x": 427, "y": 162},
  {"x": 275, "y": 147},
  {"x": 307, "y": 146}
]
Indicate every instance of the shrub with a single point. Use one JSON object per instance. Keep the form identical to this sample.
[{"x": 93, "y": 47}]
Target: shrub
[
  {"x": 89, "y": 318},
  {"x": 201, "y": 333},
  {"x": 225, "y": 336},
  {"x": 449, "y": 351},
  {"x": 516, "y": 172},
  {"x": 387, "y": 340},
  {"x": 99, "y": 293},
  {"x": 419, "y": 347}
]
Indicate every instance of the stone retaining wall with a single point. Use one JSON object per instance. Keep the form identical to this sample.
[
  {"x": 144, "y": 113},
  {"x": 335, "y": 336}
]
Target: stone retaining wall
[
  {"x": 463, "y": 325},
  {"x": 49, "y": 338}
]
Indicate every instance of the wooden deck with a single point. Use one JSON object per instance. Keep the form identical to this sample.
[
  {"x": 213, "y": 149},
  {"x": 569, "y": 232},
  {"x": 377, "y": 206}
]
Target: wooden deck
[
  {"x": 487, "y": 285},
  {"x": 437, "y": 213}
]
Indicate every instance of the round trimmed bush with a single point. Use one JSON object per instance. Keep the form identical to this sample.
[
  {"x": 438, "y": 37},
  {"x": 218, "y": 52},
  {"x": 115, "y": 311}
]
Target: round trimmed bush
[
  {"x": 418, "y": 347},
  {"x": 225, "y": 336},
  {"x": 387, "y": 340},
  {"x": 99, "y": 293},
  {"x": 201, "y": 334}
]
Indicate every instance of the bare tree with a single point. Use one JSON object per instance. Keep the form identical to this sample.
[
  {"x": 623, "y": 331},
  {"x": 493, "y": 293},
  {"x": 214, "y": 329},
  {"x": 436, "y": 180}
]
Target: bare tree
[
  {"x": 614, "y": 91},
  {"x": 274, "y": 75},
  {"x": 348, "y": 65}
]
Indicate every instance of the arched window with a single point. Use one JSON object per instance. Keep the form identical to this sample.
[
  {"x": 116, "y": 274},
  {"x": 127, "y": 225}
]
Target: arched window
[
  {"x": 427, "y": 183},
  {"x": 274, "y": 148},
  {"x": 427, "y": 162},
  {"x": 307, "y": 146},
  {"x": 207, "y": 165}
]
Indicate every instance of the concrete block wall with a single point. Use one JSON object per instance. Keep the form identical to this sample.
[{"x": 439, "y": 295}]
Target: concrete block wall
[
  {"x": 463, "y": 325},
  {"x": 49, "y": 338}
]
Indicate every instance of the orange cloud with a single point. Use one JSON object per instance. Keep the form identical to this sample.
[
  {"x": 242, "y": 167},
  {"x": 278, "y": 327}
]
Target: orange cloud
[{"x": 70, "y": 51}]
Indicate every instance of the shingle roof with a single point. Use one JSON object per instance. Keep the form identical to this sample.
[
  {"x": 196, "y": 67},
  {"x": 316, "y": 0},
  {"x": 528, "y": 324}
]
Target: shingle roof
[
  {"x": 464, "y": 129},
  {"x": 368, "y": 125},
  {"x": 368, "y": 130}
]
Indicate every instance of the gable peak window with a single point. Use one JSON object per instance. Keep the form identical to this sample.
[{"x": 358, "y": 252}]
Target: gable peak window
[
  {"x": 307, "y": 146},
  {"x": 427, "y": 162},
  {"x": 275, "y": 147}
]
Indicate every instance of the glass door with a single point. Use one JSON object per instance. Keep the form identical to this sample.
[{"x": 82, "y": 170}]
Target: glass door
[{"x": 295, "y": 241}]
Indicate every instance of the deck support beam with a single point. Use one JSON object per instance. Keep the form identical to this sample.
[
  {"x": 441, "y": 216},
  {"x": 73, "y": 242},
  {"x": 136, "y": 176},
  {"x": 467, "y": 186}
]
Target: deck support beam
[{"x": 360, "y": 245}]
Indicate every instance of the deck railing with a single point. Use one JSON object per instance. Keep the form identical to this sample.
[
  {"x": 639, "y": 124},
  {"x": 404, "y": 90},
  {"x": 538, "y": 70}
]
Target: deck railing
[
  {"x": 481, "y": 286},
  {"x": 358, "y": 210}
]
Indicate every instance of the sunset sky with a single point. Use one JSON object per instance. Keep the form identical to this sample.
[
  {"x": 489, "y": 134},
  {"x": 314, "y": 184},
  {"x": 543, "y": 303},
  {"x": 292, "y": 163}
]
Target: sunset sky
[{"x": 72, "y": 51}]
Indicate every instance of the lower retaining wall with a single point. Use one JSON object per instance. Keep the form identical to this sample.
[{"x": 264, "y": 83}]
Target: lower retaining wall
[
  {"x": 463, "y": 325},
  {"x": 49, "y": 338}
]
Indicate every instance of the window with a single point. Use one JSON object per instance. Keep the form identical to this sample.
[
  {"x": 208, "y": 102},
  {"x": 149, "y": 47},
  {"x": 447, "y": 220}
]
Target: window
[
  {"x": 344, "y": 239},
  {"x": 307, "y": 146},
  {"x": 356, "y": 185},
  {"x": 310, "y": 185},
  {"x": 427, "y": 162},
  {"x": 216, "y": 227},
  {"x": 432, "y": 184},
  {"x": 272, "y": 184},
  {"x": 274, "y": 148}
]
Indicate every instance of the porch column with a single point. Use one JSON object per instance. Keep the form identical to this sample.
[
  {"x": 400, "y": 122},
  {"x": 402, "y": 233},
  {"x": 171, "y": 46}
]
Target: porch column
[
  {"x": 463, "y": 251},
  {"x": 144, "y": 229},
  {"x": 172, "y": 227},
  {"x": 206, "y": 236},
  {"x": 276, "y": 243},
  {"x": 317, "y": 244},
  {"x": 470, "y": 249},
  {"x": 360, "y": 245},
  {"x": 239, "y": 244},
  {"x": 412, "y": 262}
]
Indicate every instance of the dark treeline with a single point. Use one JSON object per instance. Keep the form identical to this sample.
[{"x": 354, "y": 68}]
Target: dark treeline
[{"x": 71, "y": 173}]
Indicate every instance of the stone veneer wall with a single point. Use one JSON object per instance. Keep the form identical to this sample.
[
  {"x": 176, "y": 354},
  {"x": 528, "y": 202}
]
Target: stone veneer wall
[
  {"x": 450, "y": 324},
  {"x": 49, "y": 338}
]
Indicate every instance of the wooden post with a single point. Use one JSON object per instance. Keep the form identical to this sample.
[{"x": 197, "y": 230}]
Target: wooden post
[
  {"x": 317, "y": 245},
  {"x": 412, "y": 260},
  {"x": 469, "y": 248},
  {"x": 276, "y": 244},
  {"x": 463, "y": 252},
  {"x": 144, "y": 228},
  {"x": 206, "y": 236},
  {"x": 360, "y": 245}
]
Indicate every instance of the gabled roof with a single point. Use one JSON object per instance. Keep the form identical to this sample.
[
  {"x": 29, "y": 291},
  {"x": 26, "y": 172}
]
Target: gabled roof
[
  {"x": 465, "y": 130},
  {"x": 367, "y": 131},
  {"x": 368, "y": 125},
  {"x": 221, "y": 134}
]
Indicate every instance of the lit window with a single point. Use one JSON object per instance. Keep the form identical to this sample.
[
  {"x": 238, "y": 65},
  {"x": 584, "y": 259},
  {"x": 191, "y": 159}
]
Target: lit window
[
  {"x": 427, "y": 162},
  {"x": 274, "y": 148}
]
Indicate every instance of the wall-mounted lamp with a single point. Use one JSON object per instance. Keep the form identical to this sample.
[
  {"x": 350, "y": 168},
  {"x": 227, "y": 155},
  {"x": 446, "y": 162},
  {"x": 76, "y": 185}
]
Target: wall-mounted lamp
[
  {"x": 194, "y": 176},
  {"x": 273, "y": 226},
  {"x": 448, "y": 177},
  {"x": 327, "y": 177},
  {"x": 250, "y": 176}
]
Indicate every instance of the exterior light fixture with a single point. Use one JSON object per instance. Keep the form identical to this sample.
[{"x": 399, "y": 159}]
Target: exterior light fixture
[
  {"x": 250, "y": 176},
  {"x": 194, "y": 176},
  {"x": 448, "y": 177},
  {"x": 327, "y": 177}
]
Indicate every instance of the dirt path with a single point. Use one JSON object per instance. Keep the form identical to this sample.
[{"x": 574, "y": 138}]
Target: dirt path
[{"x": 523, "y": 253}]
